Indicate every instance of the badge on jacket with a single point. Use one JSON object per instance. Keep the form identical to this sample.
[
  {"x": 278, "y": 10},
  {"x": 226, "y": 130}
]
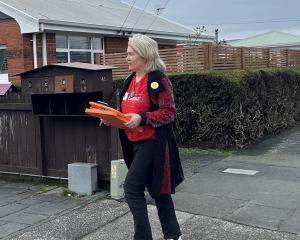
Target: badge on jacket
[{"x": 154, "y": 85}]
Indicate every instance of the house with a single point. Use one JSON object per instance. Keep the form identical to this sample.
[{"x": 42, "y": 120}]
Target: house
[
  {"x": 37, "y": 33},
  {"x": 269, "y": 40}
]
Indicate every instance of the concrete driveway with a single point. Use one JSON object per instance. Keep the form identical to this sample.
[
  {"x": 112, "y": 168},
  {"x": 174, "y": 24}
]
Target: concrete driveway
[{"x": 257, "y": 197}]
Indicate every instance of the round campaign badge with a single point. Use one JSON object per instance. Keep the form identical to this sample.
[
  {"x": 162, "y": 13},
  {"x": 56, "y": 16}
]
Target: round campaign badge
[{"x": 154, "y": 85}]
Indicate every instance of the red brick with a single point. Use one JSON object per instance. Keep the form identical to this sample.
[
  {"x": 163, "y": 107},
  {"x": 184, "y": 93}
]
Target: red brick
[
  {"x": 115, "y": 45},
  {"x": 20, "y": 50}
]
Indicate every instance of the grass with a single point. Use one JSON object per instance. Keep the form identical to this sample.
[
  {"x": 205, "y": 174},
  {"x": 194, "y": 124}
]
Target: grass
[
  {"x": 205, "y": 152},
  {"x": 68, "y": 193},
  {"x": 46, "y": 188}
]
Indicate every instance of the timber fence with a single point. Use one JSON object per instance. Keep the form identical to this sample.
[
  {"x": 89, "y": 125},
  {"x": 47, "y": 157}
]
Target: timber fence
[{"x": 210, "y": 57}]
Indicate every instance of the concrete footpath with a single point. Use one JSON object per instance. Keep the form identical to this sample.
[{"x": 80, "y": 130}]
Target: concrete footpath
[{"x": 257, "y": 197}]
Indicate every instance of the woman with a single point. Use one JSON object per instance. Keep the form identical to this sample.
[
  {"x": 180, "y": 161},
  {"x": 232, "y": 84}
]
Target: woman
[{"x": 152, "y": 155}]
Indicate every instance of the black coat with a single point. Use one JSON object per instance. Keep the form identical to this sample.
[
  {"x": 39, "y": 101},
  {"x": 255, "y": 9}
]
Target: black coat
[{"x": 164, "y": 136}]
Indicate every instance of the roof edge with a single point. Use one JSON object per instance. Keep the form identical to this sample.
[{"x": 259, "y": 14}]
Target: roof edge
[
  {"x": 51, "y": 25},
  {"x": 27, "y": 23},
  {"x": 76, "y": 65},
  {"x": 277, "y": 45}
]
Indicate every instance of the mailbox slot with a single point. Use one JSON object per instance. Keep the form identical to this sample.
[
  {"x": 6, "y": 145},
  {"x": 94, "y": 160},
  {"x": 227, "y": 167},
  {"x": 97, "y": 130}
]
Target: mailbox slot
[
  {"x": 63, "y": 104},
  {"x": 64, "y": 84}
]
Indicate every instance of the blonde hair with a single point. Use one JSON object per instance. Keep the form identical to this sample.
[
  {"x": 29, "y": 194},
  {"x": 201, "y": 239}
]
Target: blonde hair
[{"x": 147, "y": 48}]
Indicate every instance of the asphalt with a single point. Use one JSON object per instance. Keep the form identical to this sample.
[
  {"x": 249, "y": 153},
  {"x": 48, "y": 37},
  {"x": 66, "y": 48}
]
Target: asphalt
[{"x": 210, "y": 204}]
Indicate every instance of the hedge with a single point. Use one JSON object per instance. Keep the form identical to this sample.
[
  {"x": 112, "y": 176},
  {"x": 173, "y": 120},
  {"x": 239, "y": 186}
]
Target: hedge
[{"x": 231, "y": 109}]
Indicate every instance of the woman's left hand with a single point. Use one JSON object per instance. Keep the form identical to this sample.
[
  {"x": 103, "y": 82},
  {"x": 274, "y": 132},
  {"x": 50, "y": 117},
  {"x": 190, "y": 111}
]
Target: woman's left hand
[{"x": 135, "y": 120}]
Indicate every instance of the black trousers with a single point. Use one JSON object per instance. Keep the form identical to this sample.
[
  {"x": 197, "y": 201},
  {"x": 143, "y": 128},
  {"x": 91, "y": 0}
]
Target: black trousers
[{"x": 139, "y": 174}]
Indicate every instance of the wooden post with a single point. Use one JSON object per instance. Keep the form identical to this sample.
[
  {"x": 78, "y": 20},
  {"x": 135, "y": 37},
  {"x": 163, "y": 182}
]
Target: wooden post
[
  {"x": 98, "y": 57},
  {"x": 242, "y": 58},
  {"x": 268, "y": 57},
  {"x": 103, "y": 59},
  {"x": 287, "y": 57},
  {"x": 115, "y": 144},
  {"x": 40, "y": 146},
  {"x": 209, "y": 57}
]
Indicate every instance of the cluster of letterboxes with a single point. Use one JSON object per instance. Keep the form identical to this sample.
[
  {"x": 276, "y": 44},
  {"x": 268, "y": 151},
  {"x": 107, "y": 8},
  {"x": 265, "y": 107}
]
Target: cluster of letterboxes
[{"x": 66, "y": 89}]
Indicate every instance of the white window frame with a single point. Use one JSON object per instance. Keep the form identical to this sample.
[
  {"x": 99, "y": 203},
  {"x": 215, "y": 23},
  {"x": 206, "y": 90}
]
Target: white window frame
[
  {"x": 91, "y": 50},
  {"x": 3, "y": 76}
]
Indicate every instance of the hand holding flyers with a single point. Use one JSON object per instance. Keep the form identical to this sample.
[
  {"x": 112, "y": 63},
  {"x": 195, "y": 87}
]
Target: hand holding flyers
[{"x": 110, "y": 116}]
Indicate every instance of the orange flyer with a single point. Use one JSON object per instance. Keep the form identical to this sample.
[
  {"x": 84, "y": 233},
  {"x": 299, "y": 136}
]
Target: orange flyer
[{"x": 110, "y": 115}]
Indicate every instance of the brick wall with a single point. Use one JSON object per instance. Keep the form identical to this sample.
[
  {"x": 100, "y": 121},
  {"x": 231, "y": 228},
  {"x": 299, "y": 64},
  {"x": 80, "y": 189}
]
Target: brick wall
[
  {"x": 119, "y": 45},
  {"x": 20, "y": 51},
  {"x": 115, "y": 45},
  {"x": 11, "y": 37},
  {"x": 51, "y": 48}
]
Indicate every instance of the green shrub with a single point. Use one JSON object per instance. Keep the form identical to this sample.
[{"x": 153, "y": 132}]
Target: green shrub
[{"x": 230, "y": 109}]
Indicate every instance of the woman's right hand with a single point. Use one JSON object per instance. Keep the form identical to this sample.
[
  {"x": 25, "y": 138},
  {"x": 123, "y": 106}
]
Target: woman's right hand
[{"x": 104, "y": 122}]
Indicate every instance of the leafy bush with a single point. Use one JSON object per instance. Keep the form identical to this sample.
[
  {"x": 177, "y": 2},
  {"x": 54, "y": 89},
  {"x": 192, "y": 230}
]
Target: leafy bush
[{"x": 231, "y": 109}]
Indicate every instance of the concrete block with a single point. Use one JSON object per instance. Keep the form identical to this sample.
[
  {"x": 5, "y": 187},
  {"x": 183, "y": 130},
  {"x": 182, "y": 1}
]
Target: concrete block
[
  {"x": 117, "y": 178},
  {"x": 82, "y": 178}
]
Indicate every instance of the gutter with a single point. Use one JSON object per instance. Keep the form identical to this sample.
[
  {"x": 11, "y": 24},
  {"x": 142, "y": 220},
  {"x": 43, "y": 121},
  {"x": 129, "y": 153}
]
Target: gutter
[{"x": 50, "y": 25}]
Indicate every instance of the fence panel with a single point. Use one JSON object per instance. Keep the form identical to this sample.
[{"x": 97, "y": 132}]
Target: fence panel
[
  {"x": 226, "y": 58},
  {"x": 293, "y": 57},
  {"x": 45, "y": 145},
  {"x": 216, "y": 57},
  {"x": 256, "y": 58},
  {"x": 79, "y": 140},
  {"x": 19, "y": 131},
  {"x": 278, "y": 58},
  {"x": 193, "y": 58},
  {"x": 117, "y": 60},
  {"x": 173, "y": 59}
]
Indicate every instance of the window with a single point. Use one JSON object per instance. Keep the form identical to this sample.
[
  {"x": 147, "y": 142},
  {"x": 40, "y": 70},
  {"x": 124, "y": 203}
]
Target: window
[
  {"x": 71, "y": 48},
  {"x": 80, "y": 42},
  {"x": 3, "y": 60},
  {"x": 61, "y": 41},
  {"x": 97, "y": 43},
  {"x": 84, "y": 57}
]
